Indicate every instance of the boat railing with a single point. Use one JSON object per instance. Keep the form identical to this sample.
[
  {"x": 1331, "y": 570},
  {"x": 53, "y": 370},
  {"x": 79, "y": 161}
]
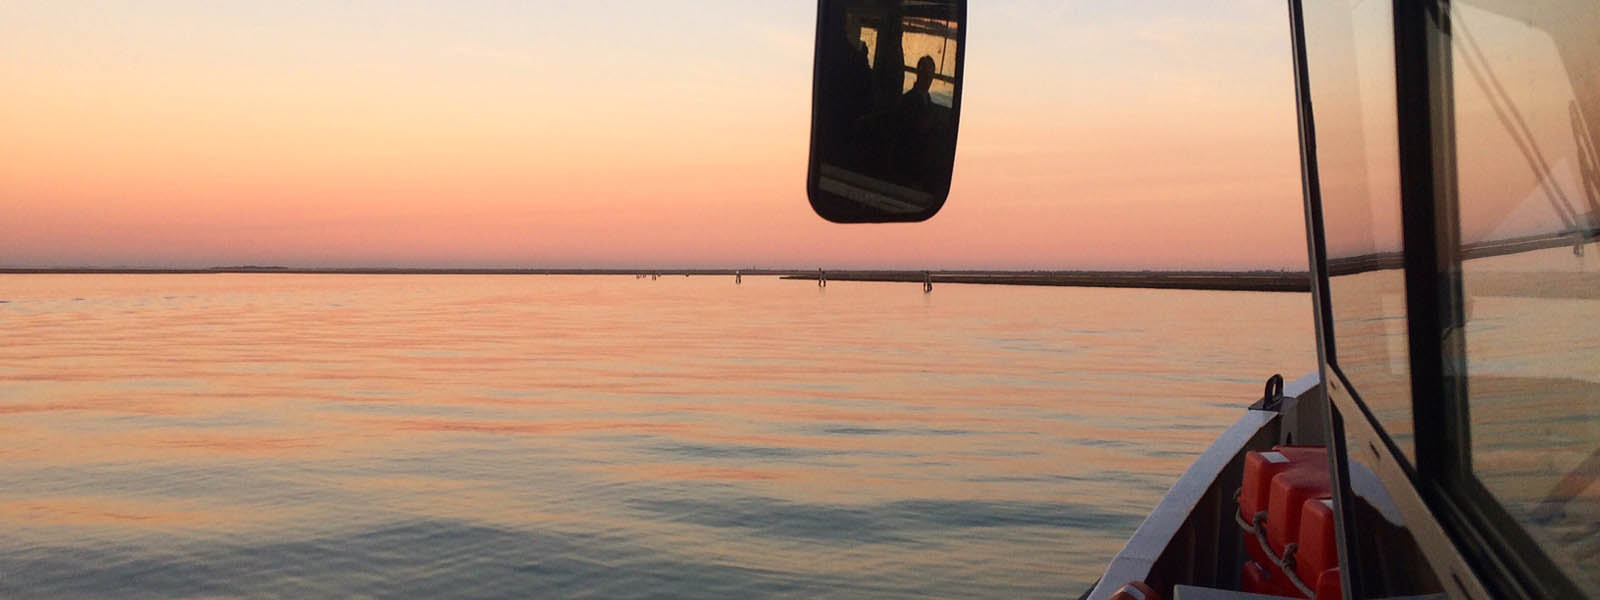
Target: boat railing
[{"x": 1190, "y": 537}]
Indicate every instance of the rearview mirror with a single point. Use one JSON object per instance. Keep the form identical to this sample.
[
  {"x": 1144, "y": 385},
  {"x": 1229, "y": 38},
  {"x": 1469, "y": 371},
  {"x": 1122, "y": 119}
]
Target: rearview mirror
[{"x": 886, "y": 98}]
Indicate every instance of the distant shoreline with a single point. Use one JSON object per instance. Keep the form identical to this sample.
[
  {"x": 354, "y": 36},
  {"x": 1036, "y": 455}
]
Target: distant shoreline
[
  {"x": 1246, "y": 281},
  {"x": 1250, "y": 281}
]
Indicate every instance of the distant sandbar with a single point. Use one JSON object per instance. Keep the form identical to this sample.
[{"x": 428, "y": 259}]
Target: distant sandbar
[{"x": 1257, "y": 281}]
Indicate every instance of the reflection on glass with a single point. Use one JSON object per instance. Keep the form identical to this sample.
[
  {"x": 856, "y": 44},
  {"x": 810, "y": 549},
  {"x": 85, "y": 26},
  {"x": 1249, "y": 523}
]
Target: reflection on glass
[
  {"x": 1527, "y": 101},
  {"x": 1350, "y": 54},
  {"x": 884, "y": 131}
]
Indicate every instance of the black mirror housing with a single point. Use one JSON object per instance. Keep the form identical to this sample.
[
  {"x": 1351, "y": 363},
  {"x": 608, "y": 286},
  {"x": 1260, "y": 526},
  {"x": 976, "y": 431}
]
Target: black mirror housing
[{"x": 886, "y": 103}]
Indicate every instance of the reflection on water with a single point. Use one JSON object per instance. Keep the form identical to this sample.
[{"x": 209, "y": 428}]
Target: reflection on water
[{"x": 514, "y": 436}]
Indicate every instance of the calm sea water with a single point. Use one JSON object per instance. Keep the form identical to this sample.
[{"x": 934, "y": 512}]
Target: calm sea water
[{"x": 594, "y": 436}]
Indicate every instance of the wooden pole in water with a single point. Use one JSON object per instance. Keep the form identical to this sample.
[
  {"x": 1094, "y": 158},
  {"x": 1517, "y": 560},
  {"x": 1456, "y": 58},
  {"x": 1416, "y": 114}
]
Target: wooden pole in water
[{"x": 927, "y": 282}]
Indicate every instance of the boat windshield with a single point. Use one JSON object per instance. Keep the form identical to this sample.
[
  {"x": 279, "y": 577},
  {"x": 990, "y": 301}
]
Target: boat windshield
[
  {"x": 1527, "y": 114},
  {"x": 1520, "y": 347},
  {"x": 1351, "y": 54}
]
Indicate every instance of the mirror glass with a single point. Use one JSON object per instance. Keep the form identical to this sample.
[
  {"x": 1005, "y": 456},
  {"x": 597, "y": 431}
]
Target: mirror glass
[{"x": 886, "y": 98}]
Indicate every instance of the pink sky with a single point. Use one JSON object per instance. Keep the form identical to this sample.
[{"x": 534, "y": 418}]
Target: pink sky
[{"x": 1143, "y": 135}]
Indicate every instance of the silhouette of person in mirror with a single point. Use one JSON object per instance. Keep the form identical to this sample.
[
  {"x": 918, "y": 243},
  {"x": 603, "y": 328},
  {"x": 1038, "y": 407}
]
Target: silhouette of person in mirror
[
  {"x": 916, "y": 127},
  {"x": 919, "y": 89},
  {"x": 845, "y": 88}
]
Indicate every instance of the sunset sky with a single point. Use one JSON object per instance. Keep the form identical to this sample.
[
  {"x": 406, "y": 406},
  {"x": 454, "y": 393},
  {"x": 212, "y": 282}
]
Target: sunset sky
[{"x": 623, "y": 133}]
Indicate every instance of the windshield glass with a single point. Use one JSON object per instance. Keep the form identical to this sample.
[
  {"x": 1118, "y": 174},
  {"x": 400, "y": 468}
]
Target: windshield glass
[{"x": 1527, "y": 115}]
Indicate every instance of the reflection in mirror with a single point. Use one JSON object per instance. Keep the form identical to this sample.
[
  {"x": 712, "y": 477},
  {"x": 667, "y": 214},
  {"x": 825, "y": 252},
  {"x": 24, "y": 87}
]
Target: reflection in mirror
[{"x": 886, "y": 100}]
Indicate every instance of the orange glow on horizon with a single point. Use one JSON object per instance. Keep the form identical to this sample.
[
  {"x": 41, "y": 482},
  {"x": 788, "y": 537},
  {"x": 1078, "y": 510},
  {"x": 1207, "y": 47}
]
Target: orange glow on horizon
[{"x": 261, "y": 135}]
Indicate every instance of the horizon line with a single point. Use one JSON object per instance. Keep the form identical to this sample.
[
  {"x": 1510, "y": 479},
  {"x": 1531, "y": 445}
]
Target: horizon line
[{"x": 632, "y": 270}]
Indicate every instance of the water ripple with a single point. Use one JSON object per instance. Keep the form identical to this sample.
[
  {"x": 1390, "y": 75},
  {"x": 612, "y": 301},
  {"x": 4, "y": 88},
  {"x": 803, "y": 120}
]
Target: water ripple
[{"x": 497, "y": 437}]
